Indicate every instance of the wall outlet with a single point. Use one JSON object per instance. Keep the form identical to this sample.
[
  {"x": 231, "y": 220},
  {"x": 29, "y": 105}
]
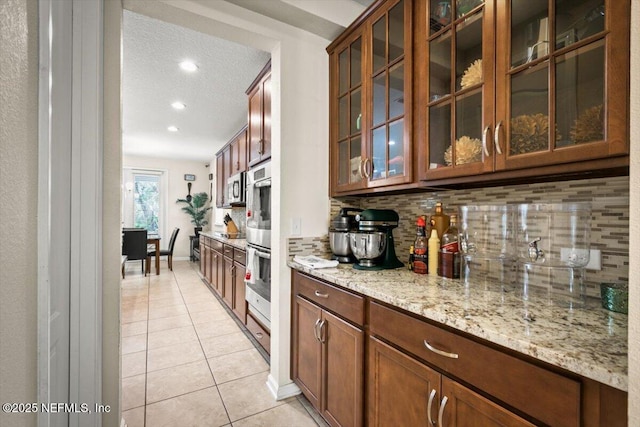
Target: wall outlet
[
  {"x": 296, "y": 226},
  {"x": 595, "y": 257}
]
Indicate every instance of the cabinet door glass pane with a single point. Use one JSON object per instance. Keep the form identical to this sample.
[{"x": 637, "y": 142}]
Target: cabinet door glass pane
[
  {"x": 578, "y": 19},
  {"x": 379, "y": 155},
  {"x": 469, "y": 52},
  {"x": 396, "y": 91},
  {"x": 440, "y": 67},
  {"x": 379, "y": 101},
  {"x": 465, "y": 6},
  {"x": 379, "y": 43},
  {"x": 439, "y": 134},
  {"x": 468, "y": 144},
  {"x": 439, "y": 14},
  {"x": 343, "y": 117},
  {"x": 343, "y": 70},
  {"x": 356, "y": 157},
  {"x": 529, "y": 30},
  {"x": 356, "y": 62},
  {"x": 396, "y": 31},
  {"x": 356, "y": 111},
  {"x": 529, "y": 130},
  {"x": 343, "y": 162},
  {"x": 580, "y": 95},
  {"x": 396, "y": 148}
]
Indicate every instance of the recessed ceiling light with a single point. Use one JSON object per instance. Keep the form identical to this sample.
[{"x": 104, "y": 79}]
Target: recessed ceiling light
[
  {"x": 172, "y": 129},
  {"x": 188, "y": 66},
  {"x": 179, "y": 105}
]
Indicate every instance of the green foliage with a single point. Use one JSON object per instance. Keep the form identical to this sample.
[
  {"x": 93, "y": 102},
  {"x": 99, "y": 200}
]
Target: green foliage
[
  {"x": 197, "y": 209},
  {"x": 147, "y": 205}
]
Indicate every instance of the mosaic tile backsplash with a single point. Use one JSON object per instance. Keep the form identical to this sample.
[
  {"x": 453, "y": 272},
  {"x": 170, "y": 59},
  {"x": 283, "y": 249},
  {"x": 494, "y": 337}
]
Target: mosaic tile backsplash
[{"x": 609, "y": 198}]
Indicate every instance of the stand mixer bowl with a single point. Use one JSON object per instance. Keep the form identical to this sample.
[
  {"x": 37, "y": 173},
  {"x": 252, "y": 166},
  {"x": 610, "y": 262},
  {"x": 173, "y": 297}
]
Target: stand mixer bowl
[
  {"x": 339, "y": 242},
  {"x": 367, "y": 247}
]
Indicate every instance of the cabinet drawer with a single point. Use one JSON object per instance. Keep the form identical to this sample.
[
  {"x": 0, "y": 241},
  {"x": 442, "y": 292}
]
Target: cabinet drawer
[
  {"x": 228, "y": 251},
  {"x": 259, "y": 333},
  {"x": 216, "y": 245},
  {"x": 542, "y": 394},
  {"x": 240, "y": 256},
  {"x": 344, "y": 303}
]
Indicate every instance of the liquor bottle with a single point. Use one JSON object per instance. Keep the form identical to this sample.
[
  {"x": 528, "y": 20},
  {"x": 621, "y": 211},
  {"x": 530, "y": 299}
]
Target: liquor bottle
[
  {"x": 434, "y": 248},
  {"x": 440, "y": 219},
  {"x": 449, "y": 256},
  {"x": 411, "y": 256},
  {"x": 420, "y": 248}
]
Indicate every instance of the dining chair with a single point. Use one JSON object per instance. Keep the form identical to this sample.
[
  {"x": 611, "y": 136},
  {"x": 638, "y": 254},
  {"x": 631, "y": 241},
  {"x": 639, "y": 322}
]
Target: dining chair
[
  {"x": 134, "y": 244},
  {"x": 165, "y": 252}
]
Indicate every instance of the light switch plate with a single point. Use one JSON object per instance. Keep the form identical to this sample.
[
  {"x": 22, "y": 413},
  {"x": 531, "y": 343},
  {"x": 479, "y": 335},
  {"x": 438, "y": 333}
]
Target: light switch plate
[{"x": 296, "y": 226}]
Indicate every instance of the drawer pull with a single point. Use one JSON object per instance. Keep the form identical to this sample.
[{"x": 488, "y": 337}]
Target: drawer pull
[
  {"x": 431, "y": 396},
  {"x": 440, "y": 352},
  {"x": 441, "y": 412},
  {"x": 321, "y": 295},
  {"x": 259, "y": 335}
]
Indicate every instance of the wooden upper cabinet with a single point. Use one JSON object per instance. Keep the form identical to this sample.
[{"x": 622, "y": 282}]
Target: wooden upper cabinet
[
  {"x": 238, "y": 147},
  {"x": 370, "y": 105},
  {"x": 521, "y": 84},
  {"x": 259, "y": 128}
]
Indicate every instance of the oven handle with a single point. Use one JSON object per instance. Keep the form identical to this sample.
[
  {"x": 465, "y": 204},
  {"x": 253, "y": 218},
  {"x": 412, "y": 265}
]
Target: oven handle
[
  {"x": 263, "y": 183},
  {"x": 261, "y": 254}
]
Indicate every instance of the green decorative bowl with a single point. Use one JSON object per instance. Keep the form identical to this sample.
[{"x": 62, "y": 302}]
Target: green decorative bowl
[{"x": 615, "y": 297}]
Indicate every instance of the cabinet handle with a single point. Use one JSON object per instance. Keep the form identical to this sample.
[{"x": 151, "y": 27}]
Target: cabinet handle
[
  {"x": 322, "y": 331},
  {"x": 321, "y": 295},
  {"x": 431, "y": 396},
  {"x": 367, "y": 174},
  {"x": 261, "y": 146},
  {"x": 315, "y": 330},
  {"x": 496, "y": 137},
  {"x": 440, "y": 352},
  {"x": 259, "y": 335},
  {"x": 441, "y": 412},
  {"x": 484, "y": 141},
  {"x": 360, "y": 168},
  {"x": 238, "y": 165}
]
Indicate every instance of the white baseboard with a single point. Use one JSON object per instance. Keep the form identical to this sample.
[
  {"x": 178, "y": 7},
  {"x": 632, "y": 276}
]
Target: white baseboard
[
  {"x": 281, "y": 392},
  {"x": 123, "y": 423}
]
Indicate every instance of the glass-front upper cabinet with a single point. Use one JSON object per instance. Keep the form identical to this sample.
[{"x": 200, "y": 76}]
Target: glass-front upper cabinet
[
  {"x": 389, "y": 151},
  {"x": 457, "y": 102},
  {"x": 561, "y": 82},
  {"x": 347, "y": 150}
]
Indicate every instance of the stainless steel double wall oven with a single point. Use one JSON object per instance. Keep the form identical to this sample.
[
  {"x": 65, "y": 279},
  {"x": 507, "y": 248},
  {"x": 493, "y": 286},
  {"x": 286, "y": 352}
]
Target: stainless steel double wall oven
[{"x": 258, "y": 278}]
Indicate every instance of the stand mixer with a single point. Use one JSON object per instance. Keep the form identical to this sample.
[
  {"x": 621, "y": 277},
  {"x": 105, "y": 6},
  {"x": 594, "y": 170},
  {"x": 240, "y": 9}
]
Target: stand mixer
[{"x": 373, "y": 244}]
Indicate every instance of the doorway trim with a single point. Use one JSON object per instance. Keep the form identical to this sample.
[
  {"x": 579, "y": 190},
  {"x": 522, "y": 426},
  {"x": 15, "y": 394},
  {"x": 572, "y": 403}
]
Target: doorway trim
[{"x": 70, "y": 88}]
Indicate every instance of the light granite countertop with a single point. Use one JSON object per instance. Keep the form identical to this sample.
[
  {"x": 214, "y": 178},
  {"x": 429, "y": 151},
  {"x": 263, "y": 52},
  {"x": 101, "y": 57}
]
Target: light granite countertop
[
  {"x": 236, "y": 243},
  {"x": 589, "y": 341}
]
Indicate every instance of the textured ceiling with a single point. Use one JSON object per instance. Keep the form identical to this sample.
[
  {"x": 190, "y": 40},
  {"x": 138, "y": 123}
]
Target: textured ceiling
[
  {"x": 215, "y": 94},
  {"x": 152, "y": 80}
]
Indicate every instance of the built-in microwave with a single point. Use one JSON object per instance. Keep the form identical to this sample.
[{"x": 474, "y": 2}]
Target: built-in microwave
[{"x": 236, "y": 189}]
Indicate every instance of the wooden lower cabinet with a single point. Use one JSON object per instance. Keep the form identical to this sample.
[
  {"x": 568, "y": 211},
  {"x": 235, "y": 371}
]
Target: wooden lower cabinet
[
  {"x": 239, "y": 292},
  {"x": 328, "y": 363},
  {"x": 227, "y": 282}
]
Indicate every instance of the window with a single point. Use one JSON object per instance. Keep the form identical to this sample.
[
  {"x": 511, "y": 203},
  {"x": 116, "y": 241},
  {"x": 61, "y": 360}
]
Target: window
[
  {"x": 144, "y": 199},
  {"x": 146, "y": 206}
]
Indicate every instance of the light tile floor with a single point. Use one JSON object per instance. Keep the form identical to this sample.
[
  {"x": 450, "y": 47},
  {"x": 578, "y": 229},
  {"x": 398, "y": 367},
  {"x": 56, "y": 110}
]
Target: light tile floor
[{"x": 187, "y": 362}]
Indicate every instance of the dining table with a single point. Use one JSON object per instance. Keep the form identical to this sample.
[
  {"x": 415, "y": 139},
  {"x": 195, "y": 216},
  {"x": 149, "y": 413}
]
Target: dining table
[{"x": 154, "y": 239}]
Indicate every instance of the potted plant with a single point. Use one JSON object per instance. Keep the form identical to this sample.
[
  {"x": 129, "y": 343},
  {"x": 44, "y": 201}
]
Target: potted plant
[{"x": 197, "y": 209}]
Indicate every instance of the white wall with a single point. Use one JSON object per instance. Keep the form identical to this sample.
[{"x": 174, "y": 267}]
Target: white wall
[
  {"x": 634, "y": 220},
  {"x": 18, "y": 205},
  {"x": 175, "y": 217}
]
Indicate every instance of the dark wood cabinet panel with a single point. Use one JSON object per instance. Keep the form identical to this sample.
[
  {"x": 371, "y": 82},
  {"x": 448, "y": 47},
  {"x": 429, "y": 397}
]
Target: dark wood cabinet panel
[
  {"x": 227, "y": 283},
  {"x": 217, "y": 271},
  {"x": 307, "y": 349},
  {"x": 259, "y": 332},
  {"x": 239, "y": 301},
  {"x": 401, "y": 391},
  {"x": 342, "y": 371},
  {"x": 259, "y": 121},
  {"x": 220, "y": 181}
]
